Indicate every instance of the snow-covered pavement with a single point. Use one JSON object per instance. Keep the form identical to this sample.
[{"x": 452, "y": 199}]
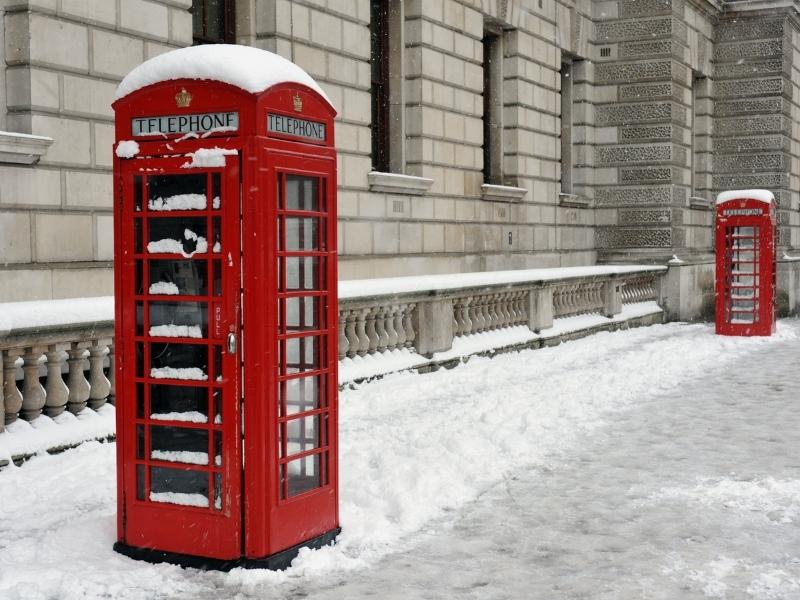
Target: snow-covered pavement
[{"x": 654, "y": 463}]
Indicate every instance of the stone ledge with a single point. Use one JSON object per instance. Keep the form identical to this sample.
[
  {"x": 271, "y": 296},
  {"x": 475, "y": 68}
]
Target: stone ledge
[
  {"x": 502, "y": 193},
  {"x": 699, "y": 203},
  {"x": 574, "y": 200},
  {"x": 397, "y": 183},
  {"x": 22, "y": 148}
]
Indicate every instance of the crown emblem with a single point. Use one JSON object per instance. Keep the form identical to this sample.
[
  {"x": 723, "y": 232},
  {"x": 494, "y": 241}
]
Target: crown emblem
[
  {"x": 183, "y": 98},
  {"x": 298, "y": 103}
]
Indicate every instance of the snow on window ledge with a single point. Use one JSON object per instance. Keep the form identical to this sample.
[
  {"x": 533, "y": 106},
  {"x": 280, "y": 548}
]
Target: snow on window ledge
[
  {"x": 700, "y": 203},
  {"x": 398, "y": 183},
  {"x": 502, "y": 193},
  {"x": 22, "y": 148}
]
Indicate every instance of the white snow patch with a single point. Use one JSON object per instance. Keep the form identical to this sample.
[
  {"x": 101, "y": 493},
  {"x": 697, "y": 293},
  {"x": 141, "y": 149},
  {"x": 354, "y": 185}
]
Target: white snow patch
[
  {"x": 675, "y": 260},
  {"x": 179, "y": 498},
  {"x": 215, "y": 203},
  {"x": 166, "y": 288},
  {"x": 364, "y": 367},
  {"x": 191, "y": 416},
  {"x": 776, "y": 500},
  {"x": 181, "y": 456},
  {"x": 23, "y": 437},
  {"x": 245, "y": 67},
  {"x": 206, "y": 158},
  {"x": 185, "y": 373},
  {"x": 47, "y": 313},
  {"x": 187, "y": 331},
  {"x": 217, "y": 248},
  {"x": 360, "y": 288},
  {"x": 760, "y": 195},
  {"x": 127, "y": 149},
  {"x": 178, "y": 202}
]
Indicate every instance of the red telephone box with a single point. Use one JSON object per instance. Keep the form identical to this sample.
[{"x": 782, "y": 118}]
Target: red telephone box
[
  {"x": 745, "y": 286},
  {"x": 226, "y": 310}
]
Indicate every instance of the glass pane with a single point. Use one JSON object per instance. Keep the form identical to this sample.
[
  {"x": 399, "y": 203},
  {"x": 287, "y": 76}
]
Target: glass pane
[
  {"x": 218, "y": 491},
  {"x": 178, "y": 277},
  {"x": 301, "y": 233},
  {"x": 139, "y": 359},
  {"x": 178, "y": 319},
  {"x": 179, "y": 444},
  {"x": 301, "y": 273},
  {"x": 137, "y": 193},
  {"x": 140, "y": 401},
  {"x": 139, "y": 283},
  {"x": 177, "y": 192},
  {"x": 197, "y": 18},
  {"x": 140, "y": 441},
  {"x": 302, "y": 434},
  {"x": 215, "y": 19},
  {"x": 302, "y": 354},
  {"x": 179, "y": 403},
  {"x": 217, "y": 406},
  {"x": 140, "y": 482},
  {"x": 216, "y": 246},
  {"x": 137, "y": 236},
  {"x": 302, "y": 394},
  {"x": 218, "y": 448},
  {"x": 304, "y": 474},
  {"x": 179, "y": 361},
  {"x": 217, "y": 277},
  {"x": 301, "y": 193},
  {"x": 216, "y": 195},
  {"x": 301, "y": 313},
  {"x": 187, "y": 488},
  {"x": 186, "y": 236},
  {"x": 140, "y": 318}
]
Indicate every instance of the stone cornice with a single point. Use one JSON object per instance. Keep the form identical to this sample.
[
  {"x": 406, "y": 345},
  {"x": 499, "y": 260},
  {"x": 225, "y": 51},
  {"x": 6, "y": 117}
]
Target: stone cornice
[{"x": 22, "y": 148}]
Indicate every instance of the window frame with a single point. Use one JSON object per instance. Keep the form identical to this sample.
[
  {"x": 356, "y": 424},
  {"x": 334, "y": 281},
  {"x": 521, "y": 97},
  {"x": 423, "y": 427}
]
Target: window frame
[{"x": 228, "y": 26}]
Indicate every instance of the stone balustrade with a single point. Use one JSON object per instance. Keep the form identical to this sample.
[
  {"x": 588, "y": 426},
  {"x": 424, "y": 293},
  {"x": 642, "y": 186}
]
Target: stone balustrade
[{"x": 52, "y": 368}]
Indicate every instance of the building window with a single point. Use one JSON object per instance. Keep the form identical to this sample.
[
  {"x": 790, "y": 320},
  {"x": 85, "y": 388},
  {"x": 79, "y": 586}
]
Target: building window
[
  {"x": 388, "y": 105},
  {"x": 492, "y": 105},
  {"x": 699, "y": 83},
  {"x": 567, "y": 77},
  {"x": 214, "y": 21}
]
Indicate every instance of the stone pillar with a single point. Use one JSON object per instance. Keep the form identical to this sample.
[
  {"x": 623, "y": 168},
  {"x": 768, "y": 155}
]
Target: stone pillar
[
  {"x": 612, "y": 298},
  {"x": 540, "y": 309},
  {"x": 433, "y": 323}
]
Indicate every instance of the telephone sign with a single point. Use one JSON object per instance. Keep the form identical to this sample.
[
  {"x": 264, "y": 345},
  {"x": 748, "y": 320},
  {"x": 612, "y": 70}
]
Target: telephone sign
[{"x": 226, "y": 314}]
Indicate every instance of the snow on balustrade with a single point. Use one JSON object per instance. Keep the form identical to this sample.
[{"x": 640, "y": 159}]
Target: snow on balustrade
[{"x": 385, "y": 325}]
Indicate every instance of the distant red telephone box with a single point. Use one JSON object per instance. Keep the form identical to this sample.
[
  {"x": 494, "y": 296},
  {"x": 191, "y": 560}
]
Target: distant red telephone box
[
  {"x": 226, "y": 310},
  {"x": 745, "y": 282}
]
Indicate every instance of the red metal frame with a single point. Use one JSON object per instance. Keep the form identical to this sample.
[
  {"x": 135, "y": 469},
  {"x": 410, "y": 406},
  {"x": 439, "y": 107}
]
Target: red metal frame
[
  {"x": 745, "y": 267},
  {"x": 259, "y": 516}
]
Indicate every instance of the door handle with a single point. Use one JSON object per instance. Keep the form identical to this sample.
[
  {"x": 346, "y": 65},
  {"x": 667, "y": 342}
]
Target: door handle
[{"x": 231, "y": 343}]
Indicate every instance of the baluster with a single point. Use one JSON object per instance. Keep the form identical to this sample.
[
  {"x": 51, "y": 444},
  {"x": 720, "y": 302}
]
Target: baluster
[
  {"x": 112, "y": 374},
  {"x": 505, "y": 309},
  {"x": 342, "y": 337},
  {"x": 458, "y": 322},
  {"x": 408, "y": 325},
  {"x": 522, "y": 307},
  {"x": 475, "y": 315},
  {"x": 371, "y": 329},
  {"x": 11, "y": 393},
  {"x": 465, "y": 315},
  {"x": 32, "y": 391},
  {"x": 491, "y": 309},
  {"x": 388, "y": 325},
  {"x": 350, "y": 332},
  {"x": 99, "y": 386},
  {"x": 380, "y": 328},
  {"x": 77, "y": 383},
  {"x": 362, "y": 324},
  {"x": 57, "y": 392},
  {"x": 483, "y": 313},
  {"x": 398, "y": 325},
  {"x": 556, "y": 302}
]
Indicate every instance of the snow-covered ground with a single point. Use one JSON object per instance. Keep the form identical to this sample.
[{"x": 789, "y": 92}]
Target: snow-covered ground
[{"x": 653, "y": 463}]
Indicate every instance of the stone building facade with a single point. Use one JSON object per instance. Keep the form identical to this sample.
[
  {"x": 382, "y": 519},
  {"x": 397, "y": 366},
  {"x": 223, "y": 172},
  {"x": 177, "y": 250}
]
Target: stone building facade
[{"x": 516, "y": 133}]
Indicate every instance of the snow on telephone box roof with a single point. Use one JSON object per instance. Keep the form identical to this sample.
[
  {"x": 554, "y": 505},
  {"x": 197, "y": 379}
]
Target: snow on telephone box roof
[
  {"x": 250, "y": 69},
  {"x": 760, "y": 195}
]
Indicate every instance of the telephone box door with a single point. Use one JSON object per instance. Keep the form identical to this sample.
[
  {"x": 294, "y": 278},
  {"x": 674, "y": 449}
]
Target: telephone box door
[
  {"x": 180, "y": 364},
  {"x": 300, "y": 485}
]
